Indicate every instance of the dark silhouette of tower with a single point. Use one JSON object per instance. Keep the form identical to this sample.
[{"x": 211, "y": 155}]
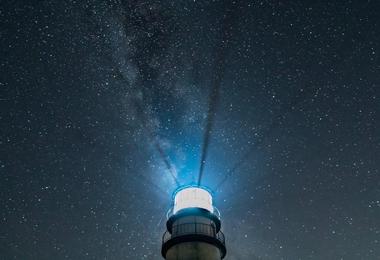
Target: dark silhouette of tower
[{"x": 193, "y": 227}]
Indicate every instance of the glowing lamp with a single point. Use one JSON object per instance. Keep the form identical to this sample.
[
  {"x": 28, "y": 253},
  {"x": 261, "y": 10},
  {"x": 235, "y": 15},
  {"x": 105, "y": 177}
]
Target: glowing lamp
[{"x": 192, "y": 197}]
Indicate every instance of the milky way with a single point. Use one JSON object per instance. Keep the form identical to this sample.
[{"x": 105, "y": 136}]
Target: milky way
[{"x": 104, "y": 107}]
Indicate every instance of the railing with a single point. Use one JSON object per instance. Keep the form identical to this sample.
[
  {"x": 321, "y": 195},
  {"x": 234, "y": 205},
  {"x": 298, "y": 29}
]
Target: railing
[
  {"x": 193, "y": 229},
  {"x": 215, "y": 211}
]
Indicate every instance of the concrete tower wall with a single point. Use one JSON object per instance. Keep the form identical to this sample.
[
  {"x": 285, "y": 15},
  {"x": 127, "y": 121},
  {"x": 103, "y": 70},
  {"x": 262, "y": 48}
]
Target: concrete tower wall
[{"x": 193, "y": 251}]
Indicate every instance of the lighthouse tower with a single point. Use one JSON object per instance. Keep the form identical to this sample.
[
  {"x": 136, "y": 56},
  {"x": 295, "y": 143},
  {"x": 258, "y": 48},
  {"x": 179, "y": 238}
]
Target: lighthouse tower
[{"x": 193, "y": 227}]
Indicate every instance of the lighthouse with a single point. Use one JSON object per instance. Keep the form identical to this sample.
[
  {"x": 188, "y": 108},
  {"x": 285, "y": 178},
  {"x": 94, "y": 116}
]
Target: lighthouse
[{"x": 193, "y": 227}]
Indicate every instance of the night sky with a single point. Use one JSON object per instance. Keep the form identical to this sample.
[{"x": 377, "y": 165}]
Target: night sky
[{"x": 103, "y": 102}]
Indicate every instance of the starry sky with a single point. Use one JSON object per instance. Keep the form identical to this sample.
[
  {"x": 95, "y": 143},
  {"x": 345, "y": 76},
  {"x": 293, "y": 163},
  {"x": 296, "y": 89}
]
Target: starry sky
[{"x": 104, "y": 107}]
